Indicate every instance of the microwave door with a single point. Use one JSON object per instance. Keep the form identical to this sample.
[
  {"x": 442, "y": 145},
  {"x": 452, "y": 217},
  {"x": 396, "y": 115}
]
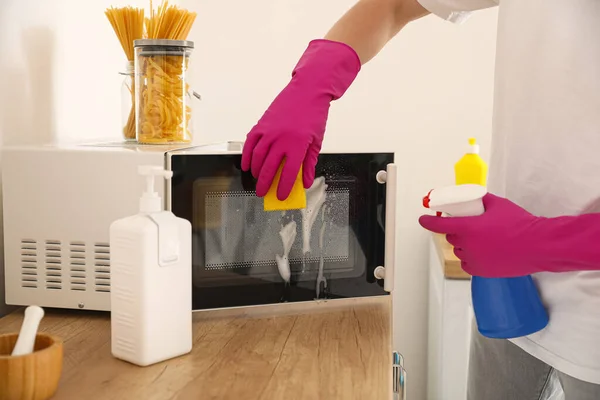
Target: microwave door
[{"x": 244, "y": 256}]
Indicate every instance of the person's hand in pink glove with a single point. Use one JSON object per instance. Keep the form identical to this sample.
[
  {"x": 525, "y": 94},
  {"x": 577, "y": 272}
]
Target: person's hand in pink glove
[
  {"x": 293, "y": 126},
  {"x": 507, "y": 241}
]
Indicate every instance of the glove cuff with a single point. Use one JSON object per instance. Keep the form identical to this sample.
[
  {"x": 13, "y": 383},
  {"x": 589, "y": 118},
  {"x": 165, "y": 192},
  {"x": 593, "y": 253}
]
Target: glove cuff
[
  {"x": 569, "y": 243},
  {"x": 330, "y": 66}
]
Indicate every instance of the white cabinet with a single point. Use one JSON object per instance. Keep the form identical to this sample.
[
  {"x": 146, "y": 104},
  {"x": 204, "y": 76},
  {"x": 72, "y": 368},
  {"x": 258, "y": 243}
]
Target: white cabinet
[{"x": 450, "y": 317}]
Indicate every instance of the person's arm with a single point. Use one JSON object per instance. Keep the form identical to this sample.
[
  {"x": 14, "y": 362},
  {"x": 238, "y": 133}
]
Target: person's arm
[
  {"x": 507, "y": 241},
  {"x": 290, "y": 133},
  {"x": 370, "y": 24}
]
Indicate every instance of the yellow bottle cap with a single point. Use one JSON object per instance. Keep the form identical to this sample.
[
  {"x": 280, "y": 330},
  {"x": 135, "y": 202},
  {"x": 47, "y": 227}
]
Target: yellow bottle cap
[{"x": 473, "y": 146}]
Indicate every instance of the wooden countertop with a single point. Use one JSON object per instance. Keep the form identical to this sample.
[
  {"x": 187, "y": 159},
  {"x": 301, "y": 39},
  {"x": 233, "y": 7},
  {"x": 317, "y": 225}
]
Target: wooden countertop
[
  {"x": 338, "y": 349},
  {"x": 450, "y": 263}
]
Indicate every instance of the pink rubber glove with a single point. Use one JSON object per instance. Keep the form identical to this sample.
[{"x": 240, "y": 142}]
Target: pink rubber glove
[
  {"x": 293, "y": 126},
  {"x": 507, "y": 241}
]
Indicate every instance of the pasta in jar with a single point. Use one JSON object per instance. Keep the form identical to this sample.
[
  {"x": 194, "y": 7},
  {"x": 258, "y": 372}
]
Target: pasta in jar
[{"x": 163, "y": 110}]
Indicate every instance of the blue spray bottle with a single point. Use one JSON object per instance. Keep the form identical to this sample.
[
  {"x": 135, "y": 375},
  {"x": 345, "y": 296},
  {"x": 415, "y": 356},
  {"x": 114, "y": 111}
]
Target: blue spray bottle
[{"x": 504, "y": 307}]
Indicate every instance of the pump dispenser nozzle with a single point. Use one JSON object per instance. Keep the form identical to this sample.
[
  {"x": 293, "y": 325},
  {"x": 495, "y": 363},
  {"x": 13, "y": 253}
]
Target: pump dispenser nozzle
[{"x": 150, "y": 200}]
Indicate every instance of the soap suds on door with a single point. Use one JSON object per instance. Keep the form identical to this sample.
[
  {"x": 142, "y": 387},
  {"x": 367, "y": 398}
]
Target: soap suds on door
[
  {"x": 288, "y": 235},
  {"x": 315, "y": 198}
]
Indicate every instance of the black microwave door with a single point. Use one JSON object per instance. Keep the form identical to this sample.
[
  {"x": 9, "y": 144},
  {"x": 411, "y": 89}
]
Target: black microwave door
[{"x": 243, "y": 255}]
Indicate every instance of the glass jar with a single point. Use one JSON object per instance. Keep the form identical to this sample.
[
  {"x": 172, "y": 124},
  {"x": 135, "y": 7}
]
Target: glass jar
[
  {"x": 127, "y": 102},
  {"x": 162, "y": 91}
]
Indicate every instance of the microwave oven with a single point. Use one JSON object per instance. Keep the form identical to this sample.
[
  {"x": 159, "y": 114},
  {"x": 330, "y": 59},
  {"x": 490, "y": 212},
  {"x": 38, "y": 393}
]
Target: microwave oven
[{"x": 59, "y": 201}]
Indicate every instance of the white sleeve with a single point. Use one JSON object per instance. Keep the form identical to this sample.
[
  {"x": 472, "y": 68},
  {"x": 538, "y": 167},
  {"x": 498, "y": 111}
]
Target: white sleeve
[{"x": 456, "y": 10}]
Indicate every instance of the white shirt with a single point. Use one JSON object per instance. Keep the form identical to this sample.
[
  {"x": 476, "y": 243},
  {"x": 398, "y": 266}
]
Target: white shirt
[{"x": 546, "y": 149}]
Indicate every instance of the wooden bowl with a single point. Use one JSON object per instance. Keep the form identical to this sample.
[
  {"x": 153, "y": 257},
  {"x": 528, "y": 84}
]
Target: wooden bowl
[{"x": 32, "y": 376}]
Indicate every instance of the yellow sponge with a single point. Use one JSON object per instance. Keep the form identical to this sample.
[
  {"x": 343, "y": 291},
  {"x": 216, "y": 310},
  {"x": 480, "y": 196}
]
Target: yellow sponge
[{"x": 295, "y": 201}]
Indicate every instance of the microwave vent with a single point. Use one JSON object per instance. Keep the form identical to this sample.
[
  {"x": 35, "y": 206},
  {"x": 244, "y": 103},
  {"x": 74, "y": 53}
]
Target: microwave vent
[
  {"x": 29, "y": 267},
  {"x": 56, "y": 265},
  {"x": 102, "y": 267},
  {"x": 53, "y": 264},
  {"x": 77, "y": 271}
]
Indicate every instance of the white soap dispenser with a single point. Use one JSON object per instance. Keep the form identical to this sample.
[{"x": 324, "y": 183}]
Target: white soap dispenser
[{"x": 151, "y": 281}]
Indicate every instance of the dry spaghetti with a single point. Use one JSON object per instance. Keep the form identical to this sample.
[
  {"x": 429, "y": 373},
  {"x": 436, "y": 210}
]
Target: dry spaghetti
[
  {"x": 164, "y": 113},
  {"x": 128, "y": 24}
]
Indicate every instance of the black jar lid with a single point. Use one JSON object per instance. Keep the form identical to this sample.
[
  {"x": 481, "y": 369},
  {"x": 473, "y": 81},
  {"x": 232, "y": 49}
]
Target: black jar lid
[{"x": 163, "y": 43}]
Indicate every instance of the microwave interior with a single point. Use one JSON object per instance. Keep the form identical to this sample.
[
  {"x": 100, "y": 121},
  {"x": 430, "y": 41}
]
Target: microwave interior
[{"x": 243, "y": 255}]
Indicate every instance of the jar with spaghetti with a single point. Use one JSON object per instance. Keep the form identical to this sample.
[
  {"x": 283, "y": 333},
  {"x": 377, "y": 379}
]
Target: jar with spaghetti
[
  {"x": 162, "y": 91},
  {"x": 127, "y": 101}
]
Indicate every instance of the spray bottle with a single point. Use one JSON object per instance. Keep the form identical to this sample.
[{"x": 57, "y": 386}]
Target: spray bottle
[
  {"x": 504, "y": 307},
  {"x": 151, "y": 281}
]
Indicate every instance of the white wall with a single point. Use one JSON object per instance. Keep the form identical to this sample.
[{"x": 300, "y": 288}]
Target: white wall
[{"x": 423, "y": 96}]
